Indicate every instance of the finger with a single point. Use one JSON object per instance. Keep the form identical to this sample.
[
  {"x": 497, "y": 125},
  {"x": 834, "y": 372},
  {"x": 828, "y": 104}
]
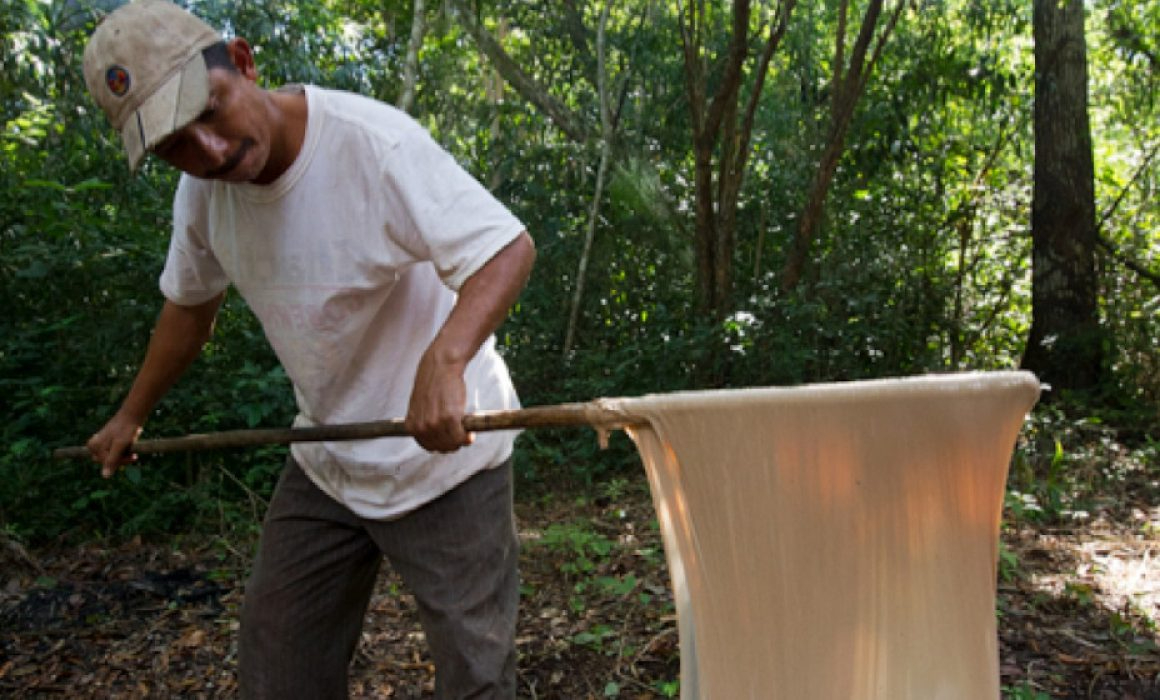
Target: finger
[
  {"x": 444, "y": 440},
  {"x": 96, "y": 450},
  {"x": 116, "y": 459},
  {"x": 457, "y": 436},
  {"x": 110, "y": 464}
]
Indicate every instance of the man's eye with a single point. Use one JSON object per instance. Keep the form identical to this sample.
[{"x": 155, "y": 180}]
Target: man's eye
[{"x": 207, "y": 115}]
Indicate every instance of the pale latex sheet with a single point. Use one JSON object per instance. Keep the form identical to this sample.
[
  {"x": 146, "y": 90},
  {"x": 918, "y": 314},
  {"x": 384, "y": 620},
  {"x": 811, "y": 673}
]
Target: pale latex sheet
[{"x": 835, "y": 541}]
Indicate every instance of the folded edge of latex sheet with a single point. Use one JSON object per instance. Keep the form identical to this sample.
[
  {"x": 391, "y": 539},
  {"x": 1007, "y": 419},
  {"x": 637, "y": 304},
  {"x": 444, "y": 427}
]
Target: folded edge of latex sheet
[{"x": 835, "y": 540}]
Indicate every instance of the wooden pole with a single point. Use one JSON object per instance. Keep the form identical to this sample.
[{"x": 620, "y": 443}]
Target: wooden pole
[{"x": 560, "y": 415}]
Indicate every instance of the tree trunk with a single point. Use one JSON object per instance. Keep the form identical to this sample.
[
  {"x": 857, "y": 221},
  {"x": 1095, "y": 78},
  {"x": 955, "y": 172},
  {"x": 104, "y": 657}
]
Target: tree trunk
[
  {"x": 1065, "y": 348},
  {"x": 722, "y": 128},
  {"x": 494, "y": 86},
  {"x": 606, "y": 136},
  {"x": 811, "y": 214},
  {"x": 411, "y": 64},
  {"x": 523, "y": 83},
  {"x": 705, "y": 227},
  {"x": 849, "y": 83}
]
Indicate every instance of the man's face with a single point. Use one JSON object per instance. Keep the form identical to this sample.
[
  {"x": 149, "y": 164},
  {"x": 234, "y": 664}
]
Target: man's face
[{"x": 230, "y": 140}]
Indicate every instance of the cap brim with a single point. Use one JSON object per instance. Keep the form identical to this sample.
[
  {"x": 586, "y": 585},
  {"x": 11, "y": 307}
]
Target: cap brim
[{"x": 178, "y": 101}]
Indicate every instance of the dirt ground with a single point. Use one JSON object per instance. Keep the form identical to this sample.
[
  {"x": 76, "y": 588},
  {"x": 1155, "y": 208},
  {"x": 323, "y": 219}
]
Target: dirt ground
[{"x": 1078, "y": 611}]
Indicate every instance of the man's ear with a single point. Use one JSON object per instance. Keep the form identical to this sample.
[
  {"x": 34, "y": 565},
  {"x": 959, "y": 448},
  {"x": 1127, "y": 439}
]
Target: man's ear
[{"x": 243, "y": 57}]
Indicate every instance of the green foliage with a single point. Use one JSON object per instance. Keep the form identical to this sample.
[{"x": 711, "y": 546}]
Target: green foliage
[
  {"x": 81, "y": 245},
  {"x": 1008, "y": 563},
  {"x": 1075, "y": 457},
  {"x": 921, "y": 262},
  {"x": 1023, "y": 691},
  {"x": 1123, "y": 38},
  {"x": 581, "y": 547}
]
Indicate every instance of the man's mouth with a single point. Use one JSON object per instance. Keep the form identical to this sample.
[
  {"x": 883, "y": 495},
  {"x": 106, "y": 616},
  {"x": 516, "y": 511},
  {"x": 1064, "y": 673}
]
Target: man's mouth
[{"x": 227, "y": 167}]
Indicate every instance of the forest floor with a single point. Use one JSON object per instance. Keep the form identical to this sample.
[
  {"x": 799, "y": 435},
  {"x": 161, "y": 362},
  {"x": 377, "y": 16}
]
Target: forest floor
[{"x": 1079, "y": 607}]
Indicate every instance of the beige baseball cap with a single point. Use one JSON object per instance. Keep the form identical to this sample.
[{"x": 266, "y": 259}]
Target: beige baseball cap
[{"x": 143, "y": 66}]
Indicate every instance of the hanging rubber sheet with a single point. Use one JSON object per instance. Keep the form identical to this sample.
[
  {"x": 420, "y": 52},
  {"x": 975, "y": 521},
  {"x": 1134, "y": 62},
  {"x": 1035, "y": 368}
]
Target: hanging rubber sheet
[{"x": 835, "y": 541}]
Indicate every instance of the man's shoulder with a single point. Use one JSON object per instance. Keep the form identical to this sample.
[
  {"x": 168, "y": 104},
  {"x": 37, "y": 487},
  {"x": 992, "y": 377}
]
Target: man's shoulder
[{"x": 361, "y": 112}]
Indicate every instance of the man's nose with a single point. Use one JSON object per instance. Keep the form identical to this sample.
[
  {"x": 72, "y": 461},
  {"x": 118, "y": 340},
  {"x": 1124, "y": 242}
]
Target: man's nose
[{"x": 213, "y": 148}]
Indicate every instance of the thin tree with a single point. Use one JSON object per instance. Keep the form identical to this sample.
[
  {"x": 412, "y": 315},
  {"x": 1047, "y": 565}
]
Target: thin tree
[
  {"x": 607, "y": 133},
  {"x": 722, "y": 129},
  {"x": 573, "y": 124},
  {"x": 411, "y": 63},
  {"x": 1065, "y": 347},
  {"x": 567, "y": 121},
  {"x": 851, "y": 74}
]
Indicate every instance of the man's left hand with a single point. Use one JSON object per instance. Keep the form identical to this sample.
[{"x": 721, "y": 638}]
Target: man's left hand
[{"x": 438, "y": 401}]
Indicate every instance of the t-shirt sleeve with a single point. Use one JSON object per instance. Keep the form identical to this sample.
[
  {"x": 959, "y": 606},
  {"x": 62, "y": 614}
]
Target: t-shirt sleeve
[
  {"x": 192, "y": 275},
  {"x": 441, "y": 213}
]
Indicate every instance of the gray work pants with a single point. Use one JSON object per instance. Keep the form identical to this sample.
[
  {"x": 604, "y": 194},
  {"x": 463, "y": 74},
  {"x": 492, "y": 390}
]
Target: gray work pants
[{"x": 316, "y": 568}]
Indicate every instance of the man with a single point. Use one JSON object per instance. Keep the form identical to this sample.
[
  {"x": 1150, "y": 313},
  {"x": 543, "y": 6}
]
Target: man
[{"x": 348, "y": 232}]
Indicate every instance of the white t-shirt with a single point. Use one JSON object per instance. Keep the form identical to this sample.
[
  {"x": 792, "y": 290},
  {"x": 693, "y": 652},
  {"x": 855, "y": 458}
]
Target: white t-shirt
[{"x": 350, "y": 261}]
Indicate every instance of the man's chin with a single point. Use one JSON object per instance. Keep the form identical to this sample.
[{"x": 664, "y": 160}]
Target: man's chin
[
  {"x": 237, "y": 176},
  {"x": 242, "y": 168},
  {"x": 241, "y": 173}
]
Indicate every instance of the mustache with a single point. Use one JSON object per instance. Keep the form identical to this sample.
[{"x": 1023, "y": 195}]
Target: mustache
[{"x": 233, "y": 160}]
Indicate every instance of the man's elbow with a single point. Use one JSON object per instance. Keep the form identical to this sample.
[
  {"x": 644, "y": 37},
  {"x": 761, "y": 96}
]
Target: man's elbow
[
  {"x": 527, "y": 250},
  {"x": 203, "y": 320}
]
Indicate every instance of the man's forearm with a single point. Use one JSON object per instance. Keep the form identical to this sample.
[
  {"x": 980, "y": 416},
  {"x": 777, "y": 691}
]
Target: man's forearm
[
  {"x": 484, "y": 301},
  {"x": 178, "y": 337},
  {"x": 435, "y": 414}
]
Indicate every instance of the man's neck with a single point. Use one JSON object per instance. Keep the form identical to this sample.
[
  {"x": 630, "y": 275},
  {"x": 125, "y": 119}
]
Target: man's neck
[{"x": 288, "y": 114}]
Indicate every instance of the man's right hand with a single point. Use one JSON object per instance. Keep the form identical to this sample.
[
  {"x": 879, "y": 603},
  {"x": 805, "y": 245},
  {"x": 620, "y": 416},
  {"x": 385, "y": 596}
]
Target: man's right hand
[
  {"x": 177, "y": 339},
  {"x": 111, "y": 446}
]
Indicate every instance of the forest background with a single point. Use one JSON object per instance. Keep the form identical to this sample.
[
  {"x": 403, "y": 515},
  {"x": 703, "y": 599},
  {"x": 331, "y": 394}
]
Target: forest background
[{"x": 723, "y": 194}]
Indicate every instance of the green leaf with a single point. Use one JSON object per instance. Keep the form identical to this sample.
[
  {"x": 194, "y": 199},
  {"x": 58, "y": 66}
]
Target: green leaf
[{"x": 46, "y": 184}]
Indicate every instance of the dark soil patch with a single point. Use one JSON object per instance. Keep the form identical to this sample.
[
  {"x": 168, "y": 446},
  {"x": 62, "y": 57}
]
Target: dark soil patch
[{"x": 1078, "y": 611}]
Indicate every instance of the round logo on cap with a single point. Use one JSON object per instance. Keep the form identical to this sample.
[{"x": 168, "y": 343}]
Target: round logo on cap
[{"x": 118, "y": 80}]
